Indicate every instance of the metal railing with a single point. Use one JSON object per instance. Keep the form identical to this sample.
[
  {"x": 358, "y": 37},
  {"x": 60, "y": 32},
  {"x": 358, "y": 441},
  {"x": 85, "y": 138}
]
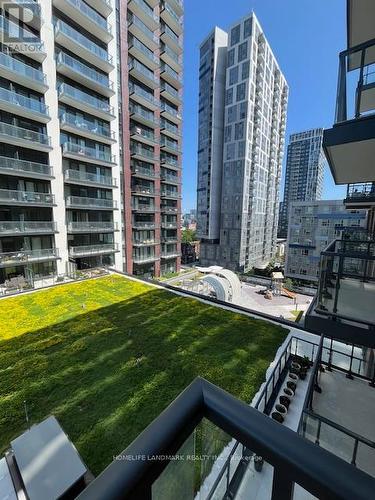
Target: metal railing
[
  {"x": 88, "y": 99},
  {"x": 96, "y": 154},
  {"x": 294, "y": 459},
  {"x": 28, "y": 197},
  {"x": 24, "y": 134},
  {"x": 7, "y": 163},
  {"x": 360, "y": 192},
  {"x": 77, "y": 175},
  {"x": 25, "y": 102},
  {"x": 27, "y": 227}
]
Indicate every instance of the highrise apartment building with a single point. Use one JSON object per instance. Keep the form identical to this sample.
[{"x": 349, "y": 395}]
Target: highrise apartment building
[
  {"x": 304, "y": 172},
  {"x": 151, "y": 67},
  {"x": 89, "y": 125},
  {"x": 242, "y": 114},
  {"x": 312, "y": 226}
]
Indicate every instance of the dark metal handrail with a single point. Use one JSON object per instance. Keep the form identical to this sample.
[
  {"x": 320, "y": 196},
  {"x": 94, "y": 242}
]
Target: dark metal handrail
[{"x": 294, "y": 459}]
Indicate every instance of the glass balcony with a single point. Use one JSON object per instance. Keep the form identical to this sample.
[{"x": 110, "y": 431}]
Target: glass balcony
[
  {"x": 170, "y": 93},
  {"x": 86, "y": 102},
  {"x": 171, "y": 76},
  {"x": 80, "y": 251},
  {"x": 77, "y": 176},
  {"x": 347, "y": 281},
  {"x": 144, "y": 190},
  {"x": 91, "y": 227},
  {"x": 25, "y": 256},
  {"x": 17, "y": 71},
  {"x": 143, "y": 53},
  {"x": 87, "y": 17},
  {"x": 171, "y": 113},
  {"x": 361, "y": 195},
  {"x": 143, "y": 207},
  {"x": 143, "y": 115},
  {"x": 169, "y": 161},
  {"x": 169, "y": 239},
  {"x": 169, "y": 144},
  {"x": 143, "y": 225},
  {"x": 145, "y": 242},
  {"x": 24, "y": 168},
  {"x": 142, "y": 134},
  {"x": 169, "y": 37},
  {"x": 104, "y": 7},
  {"x": 26, "y": 227},
  {"x": 23, "y": 106},
  {"x": 168, "y": 193},
  {"x": 142, "y": 153},
  {"x": 90, "y": 203},
  {"x": 143, "y": 97},
  {"x": 165, "y": 177},
  {"x": 141, "y": 259},
  {"x": 143, "y": 172},
  {"x": 170, "y": 128},
  {"x": 142, "y": 32},
  {"x": 169, "y": 225},
  {"x": 143, "y": 74},
  {"x": 87, "y": 128},
  {"x": 83, "y": 74},
  {"x": 170, "y": 254},
  {"x": 16, "y": 197},
  {"x": 68, "y": 37},
  {"x": 141, "y": 9},
  {"x": 177, "y": 6},
  {"x": 168, "y": 209},
  {"x": 92, "y": 155}
]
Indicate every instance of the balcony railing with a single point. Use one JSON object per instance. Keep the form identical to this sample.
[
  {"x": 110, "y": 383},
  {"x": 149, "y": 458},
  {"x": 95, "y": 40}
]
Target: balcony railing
[
  {"x": 143, "y": 113},
  {"x": 356, "y": 100},
  {"x": 83, "y": 41},
  {"x": 25, "y": 256},
  {"x": 91, "y": 14},
  {"x": 171, "y": 72},
  {"x": 141, "y": 25},
  {"x": 24, "y": 134},
  {"x": 142, "y": 259},
  {"x": 167, "y": 30},
  {"x": 146, "y": 153},
  {"x": 171, "y": 90},
  {"x": 171, "y": 53},
  {"x": 361, "y": 192},
  {"x": 86, "y": 125},
  {"x": 13, "y": 65},
  {"x": 28, "y": 103},
  {"x": 141, "y": 132},
  {"x": 172, "y": 111},
  {"x": 83, "y": 202},
  {"x": 170, "y": 194},
  {"x": 170, "y": 178},
  {"x": 85, "y": 71},
  {"x": 145, "y": 242},
  {"x": 170, "y": 127},
  {"x": 27, "y": 197},
  {"x": 89, "y": 100},
  {"x": 134, "y": 42},
  {"x": 169, "y": 160},
  {"x": 137, "y": 66},
  {"x": 144, "y": 190},
  {"x": 172, "y": 13},
  {"x": 86, "y": 151},
  {"x": 77, "y": 175},
  {"x": 83, "y": 250},
  {"x": 345, "y": 266},
  {"x": 144, "y": 207},
  {"x": 147, "y": 9},
  {"x": 143, "y": 93},
  {"x": 142, "y": 171},
  {"x": 26, "y": 227},
  {"x": 24, "y": 166},
  {"x": 143, "y": 225},
  {"x": 91, "y": 227},
  {"x": 169, "y": 143},
  {"x": 170, "y": 255}
]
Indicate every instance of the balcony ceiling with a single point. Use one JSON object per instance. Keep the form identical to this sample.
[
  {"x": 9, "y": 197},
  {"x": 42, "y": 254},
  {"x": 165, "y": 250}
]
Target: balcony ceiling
[{"x": 350, "y": 150}]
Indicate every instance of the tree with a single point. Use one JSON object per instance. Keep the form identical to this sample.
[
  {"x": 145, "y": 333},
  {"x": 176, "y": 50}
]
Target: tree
[{"x": 188, "y": 235}]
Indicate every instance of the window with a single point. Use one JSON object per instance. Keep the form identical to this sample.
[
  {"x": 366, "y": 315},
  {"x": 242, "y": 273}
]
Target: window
[
  {"x": 228, "y": 133},
  {"x": 239, "y": 130},
  {"x": 230, "y": 151},
  {"x": 241, "y": 149},
  {"x": 240, "y": 92},
  {"x": 243, "y": 110},
  {"x": 231, "y": 57},
  {"x": 233, "y": 75},
  {"x": 235, "y": 35},
  {"x": 242, "y": 52},
  {"x": 232, "y": 114},
  {"x": 245, "y": 70},
  {"x": 247, "y": 28},
  {"x": 229, "y": 96}
]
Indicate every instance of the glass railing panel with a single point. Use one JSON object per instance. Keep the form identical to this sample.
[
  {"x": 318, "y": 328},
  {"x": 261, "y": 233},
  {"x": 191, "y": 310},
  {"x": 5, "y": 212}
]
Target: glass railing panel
[
  {"x": 88, "y": 99},
  {"x": 148, "y": 115},
  {"x": 27, "y": 226},
  {"x": 23, "y": 101},
  {"x": 91, "y": 13},
  {"x": 84, "y": 70},
  {"x": 145, "y": 50},
  {"x": 90, "y": 202},
  {"x": 137, "y": 22},
  {"x": 77, "y": 175},
  {"x": 24, "y": 166},
  {"x": 143, "y": 93},
  {"x": 27, "y": 255},
  {"x": 70, "y": 147},
  {"x": 91, "y": 226},
  {"x": 22, "y": 69},
  {"x": 92, "y": 249},
  {"x": 26, "y": 196},
  {"x": 89, "y": 126},
  {"x": 134, "y": 64}
]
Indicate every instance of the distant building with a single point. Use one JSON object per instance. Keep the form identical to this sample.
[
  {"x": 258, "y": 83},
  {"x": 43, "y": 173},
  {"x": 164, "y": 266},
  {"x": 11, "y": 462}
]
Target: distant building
[
  {"x": 190, "y": 252},
  {"x": 304, "y": 172},
  {"x": 312, "y": 226},
  {"x": 242, "y": 112}
]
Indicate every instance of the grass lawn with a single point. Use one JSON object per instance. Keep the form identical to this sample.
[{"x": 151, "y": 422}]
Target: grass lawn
[{"x": 106, "y": 356}]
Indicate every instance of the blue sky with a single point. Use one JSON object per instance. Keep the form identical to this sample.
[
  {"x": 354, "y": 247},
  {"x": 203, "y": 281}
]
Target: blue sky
[{"x": 306, "y": 37}]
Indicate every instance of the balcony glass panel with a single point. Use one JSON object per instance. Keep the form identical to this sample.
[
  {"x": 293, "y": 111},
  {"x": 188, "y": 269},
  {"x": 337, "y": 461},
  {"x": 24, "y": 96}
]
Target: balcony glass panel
[
  {"x": 24, "y": 166},
  {"x": 77, "y": 175},
  {"x": 171, "y": 53},
  {"x": 22, "y": 69},
  {"x": 167, "y": 30},
  {"x": 171, "y": 90},
  {"x": 91, "y": 13},
  {"x": 27, "y": 227},
  {"x": 169, "y": 109},
  {"x": 172, "y": 13},
  {"x": 85, "y": 70},
  {"x": 361, "y": 192},
  {"x": 169, "y": 159},
  {"x": 88, "y": 99},
  {"x": 136, "y": 65},
  {"x": 143, "y": 93},
  {"x": 25, "y": 102},
  {"x": 137, "y": 22},
  {"x": 145, "y": 50},
  {"x": 96, "y": 154},
  {"x": 145, "y": 7},
  {"x": 165, "y": 141},
  {"x": 89, "y": 126},
  {"x": 138, "y": 150},
  {"x": 169, "y": 126},
  {"x": 10, "y": 258},
  {"x": 93, "y": 249},
  {"x": 90, "y": 202},
  {"x": 26, "y": 196},
  {"x": 145, "y": 113},
  {"x": 171, "y": 72},
  {"x": 83, "y": 41},
  {"x": 91, "y": 226},
  {"x": 147, "y": 134}
]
